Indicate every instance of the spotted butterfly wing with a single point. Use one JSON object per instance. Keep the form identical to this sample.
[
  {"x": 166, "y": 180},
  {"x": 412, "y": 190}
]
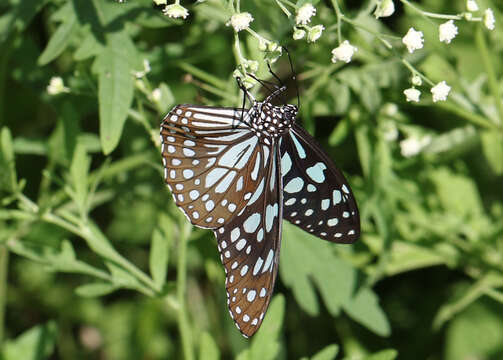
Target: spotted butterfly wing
[
  {"x": 249, "y": 249},
  {"x": 317, "y": 197},
  {"x": 212, "y": 162},
  {"x": 226, "y": 169}
]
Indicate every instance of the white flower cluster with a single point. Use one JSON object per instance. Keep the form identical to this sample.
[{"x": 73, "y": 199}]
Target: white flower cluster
[
  {"x": 302, "y": 30},
  {"x": 343, "y": 52},
  {"x": 56, "y": 86},
  {"x": 384, "y": 8},
  {"x": 240, "y": 21},
  {"x": 439, "y": 92},
  {"x": 413, "y": 145},
  {"x": 175, "y": 11}
]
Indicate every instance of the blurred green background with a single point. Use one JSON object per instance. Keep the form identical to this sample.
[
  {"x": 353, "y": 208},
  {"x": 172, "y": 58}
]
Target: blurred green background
[{"x": 96, "y": 262}]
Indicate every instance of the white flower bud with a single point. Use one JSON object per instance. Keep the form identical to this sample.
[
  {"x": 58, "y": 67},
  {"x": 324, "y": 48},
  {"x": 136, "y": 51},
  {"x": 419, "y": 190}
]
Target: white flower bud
[
  {"x": 305, "y": 13},
  {"x": 343, "y": 52},
  {"x": 447, "y": 31},
  {"x": 489, "y": 19},
  {"x": 412, "y": 94},
  {"x": 175, "y": 11},
  {"x": 240, "y": 21},
  {"x": 384, "y": 8},
  {"x": 413, "y": 40},
  {"x": 440, "y": 91}
]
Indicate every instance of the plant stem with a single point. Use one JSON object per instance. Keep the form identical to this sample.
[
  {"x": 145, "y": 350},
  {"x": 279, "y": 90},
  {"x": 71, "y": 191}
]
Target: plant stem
[
  {"x": 491, "y": 73},
  {"x": 430, "y": 14},
  {"x": 339, "y": 20},
  {"x": 4, "y": 262},
  {"x": 181, "y": 285}
]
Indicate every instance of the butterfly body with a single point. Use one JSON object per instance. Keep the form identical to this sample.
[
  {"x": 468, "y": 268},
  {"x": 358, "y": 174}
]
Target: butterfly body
[{"x": 240, "y": 173}]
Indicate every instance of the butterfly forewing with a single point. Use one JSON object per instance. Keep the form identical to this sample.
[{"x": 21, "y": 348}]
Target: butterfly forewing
[
  {"x": 316, "y": 196},
  {"x": 213, "y": 162},
  {"x": 249, "y": 247}
]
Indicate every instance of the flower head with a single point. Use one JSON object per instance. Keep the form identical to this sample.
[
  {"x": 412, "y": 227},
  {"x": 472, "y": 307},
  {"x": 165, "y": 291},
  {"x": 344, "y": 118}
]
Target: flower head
[
  {"x": 305, "y": 13},
  {"x": 343, "y": 52},
  {"x": 413, "y": 40},
  {"x": 412, "y": 94},
  {"x": 447, "y": 31},
  {"x": 413, "y": 145},
  {"x": 298, "y": 34},
  {"x": 416, "y": 80},
  {"x": 175, "y": 11},
  {"x": 314, "y": 33},
  {"x": 489, "y": 19},
  {"x": 384, "y": 8},
  {"x": 471, "y": 5},
  {"x": 240, "y": 21},
  {"x": 56, "y": 86},
  {"x": 440, "y": 91},
  {"x": 157, "y": 94},
  {"x": 160, "y": 2}
]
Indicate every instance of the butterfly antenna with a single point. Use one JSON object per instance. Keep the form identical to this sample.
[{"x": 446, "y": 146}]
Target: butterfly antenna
[
  {"x": 281, "y": 85},
  {"x": 294, "y": 76},
  {"x": 246, "y": 94}
]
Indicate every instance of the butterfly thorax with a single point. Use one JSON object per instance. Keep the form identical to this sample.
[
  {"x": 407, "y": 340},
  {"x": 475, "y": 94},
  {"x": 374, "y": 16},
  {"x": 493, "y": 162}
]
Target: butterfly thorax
[{"x": 270, "y": 121}]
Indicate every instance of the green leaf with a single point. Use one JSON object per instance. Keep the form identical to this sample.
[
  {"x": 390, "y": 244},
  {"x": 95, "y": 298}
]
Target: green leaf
[
  {"x": 457, "y": 194},
  {"x": 115, "y": 64},
  {"x": 18, "y": 17},
  {"x": 61, "y": 37},
  {"x": 492, "y": 147},
  {"x": 408, "y": 256},
  {"x": 95, "y": 289},
  {"x": 265, "y": 344},
  {"x": 306, "y": 261},
  {"x": 476, "y": 333},
  {"x": 8, "y": 177},
  {"x": 208, "y": 349},
  {"x": 79, "y": 173},
  {"x": 328, "y": 353},
  {"x": 159, "y": 258},
  {"x": 88, "y": 48},
  {"x": 34, "y": 344},
  {"x": 365, "y": 309},
  {"x": 388, "y": 354}
]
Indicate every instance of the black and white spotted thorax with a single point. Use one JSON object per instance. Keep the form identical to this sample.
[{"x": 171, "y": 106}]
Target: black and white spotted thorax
[{"x": 269, "y": 121}]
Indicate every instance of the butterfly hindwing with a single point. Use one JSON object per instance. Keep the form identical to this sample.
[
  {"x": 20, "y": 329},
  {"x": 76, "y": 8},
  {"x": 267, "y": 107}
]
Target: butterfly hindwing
[
  {"x": 213, "y": 162},
  {"x": 249, "y": 247},
  {"x": 316, "y": 196}
]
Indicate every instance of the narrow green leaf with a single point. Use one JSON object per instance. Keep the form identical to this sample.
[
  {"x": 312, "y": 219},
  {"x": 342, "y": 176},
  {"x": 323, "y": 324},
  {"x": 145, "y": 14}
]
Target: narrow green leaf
[
  {"x": 60, "y": 39},
  {"x": 36, "y": 343},
  {"x": 95, "y": 289},
  {"x": 115, "y": 87},
  {"x": 88, "y": 48},
  {"x": 8, "y": 177},
  {"x": 365, "y": 309},
  {"x": 208, "y": 349},
  {"x": 364, "y": 145},
  {"x": 159, "y": 258},
  {"x": 492, "y": 147},
  {"x": 328, "y": 353},
  {"x": 388, "y": 354},
  {"x": 79, "y": 173},
  {"x": 19, "y": 16}
]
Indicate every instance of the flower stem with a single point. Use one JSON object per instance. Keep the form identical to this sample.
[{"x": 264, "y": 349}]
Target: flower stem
[
  {"x": 4, "y": 262},
  {"x": 181, "y": 285},
  {"x": 339, "y": 20},
  {"x": 491, "y": 73},
  {"x": 430, "y": 14}
]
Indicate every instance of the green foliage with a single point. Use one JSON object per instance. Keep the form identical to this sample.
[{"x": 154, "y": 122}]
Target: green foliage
[{"x": 97, "y": 261}]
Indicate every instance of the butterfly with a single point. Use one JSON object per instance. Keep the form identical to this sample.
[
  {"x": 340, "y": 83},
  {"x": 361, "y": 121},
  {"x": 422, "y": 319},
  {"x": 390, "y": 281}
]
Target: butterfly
[{"x": 240, "y": 172}]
